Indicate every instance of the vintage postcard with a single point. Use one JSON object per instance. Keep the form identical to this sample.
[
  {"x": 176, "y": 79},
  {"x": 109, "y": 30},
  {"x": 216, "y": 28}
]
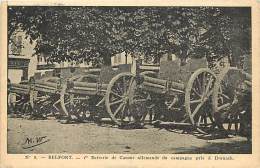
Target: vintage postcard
[{"x": 130, "y": 84}]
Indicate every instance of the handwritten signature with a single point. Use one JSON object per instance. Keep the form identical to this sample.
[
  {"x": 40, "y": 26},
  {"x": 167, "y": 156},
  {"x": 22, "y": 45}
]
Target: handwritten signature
[{"x": 31, "y": 142}]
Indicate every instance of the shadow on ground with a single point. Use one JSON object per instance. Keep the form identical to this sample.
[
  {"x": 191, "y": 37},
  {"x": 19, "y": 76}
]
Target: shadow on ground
[{"x": 234, "y": 147}]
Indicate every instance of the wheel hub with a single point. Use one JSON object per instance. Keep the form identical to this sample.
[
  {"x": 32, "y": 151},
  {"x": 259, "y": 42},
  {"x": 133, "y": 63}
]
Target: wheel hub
[{"x": 125, "y": 99}]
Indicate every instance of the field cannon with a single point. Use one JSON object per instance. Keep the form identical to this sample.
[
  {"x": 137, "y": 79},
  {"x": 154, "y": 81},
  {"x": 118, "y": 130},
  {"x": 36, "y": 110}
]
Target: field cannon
[
  {"x": 44, "y": 94},
  {"x": 46, "y": 89},
  {"x": 178, "y": 95},
  {"x": 188, "y": 94},
  {"x": 36, "y": 95},
  {"x": 18, "y": 97},
  {"x": 83, "y": 96},
  {"x": 41, "y": 94},
  {"x": 232, "y": 101}
]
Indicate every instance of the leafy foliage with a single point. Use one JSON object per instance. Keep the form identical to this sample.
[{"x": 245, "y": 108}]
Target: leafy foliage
[{"x": 94, "y": 34}]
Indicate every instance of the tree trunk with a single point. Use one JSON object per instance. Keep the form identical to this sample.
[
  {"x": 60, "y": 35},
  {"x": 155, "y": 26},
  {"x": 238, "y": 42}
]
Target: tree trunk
[
  {"x": 133, "y": 66},
  {"x": 126, "y": 54},
  {"x": 106, "y": 59},
  {"x": 236, "y": 54}
]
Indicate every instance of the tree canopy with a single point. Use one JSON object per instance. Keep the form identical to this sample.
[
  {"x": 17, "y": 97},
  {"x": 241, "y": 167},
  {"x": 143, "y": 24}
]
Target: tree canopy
[{"x": 94, "y": 34}]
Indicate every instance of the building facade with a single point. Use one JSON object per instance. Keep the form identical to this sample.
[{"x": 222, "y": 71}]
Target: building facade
[
  {"x": 23, "y": 64},
  {"x": 121, "y": 58},
  {"x": 20, "y": 57}
]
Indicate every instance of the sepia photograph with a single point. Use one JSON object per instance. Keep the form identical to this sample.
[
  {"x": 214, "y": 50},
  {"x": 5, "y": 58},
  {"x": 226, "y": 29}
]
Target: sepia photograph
[{"x": 129, "y": 80}]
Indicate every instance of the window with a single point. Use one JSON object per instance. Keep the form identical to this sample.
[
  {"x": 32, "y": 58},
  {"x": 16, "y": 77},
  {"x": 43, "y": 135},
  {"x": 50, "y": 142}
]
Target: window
[
  {"x": 119, "y": 58},
  {"x": 38, "y": 58},
  {"x": 115, "y": 59}
]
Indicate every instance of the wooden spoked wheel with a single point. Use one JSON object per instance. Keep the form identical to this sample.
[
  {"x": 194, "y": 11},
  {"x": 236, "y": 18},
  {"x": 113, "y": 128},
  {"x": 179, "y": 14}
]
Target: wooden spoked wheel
[
  {"x": 74, "y": 106},
  {"x": 43, "y": 103},
  {"x": 198, "y": 94},
  {"x": 123, "y": 103},
  {"x": 232, "y": 100}
]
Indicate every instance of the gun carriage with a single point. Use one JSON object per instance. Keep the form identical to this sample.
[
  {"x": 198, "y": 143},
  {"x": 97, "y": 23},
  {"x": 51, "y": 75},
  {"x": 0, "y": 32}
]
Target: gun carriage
[
  {"x": 41, "y": 94},
  {"x": 18, "y": 96},
  {"x": 83, "y": 96},
  {"x": 187, "y": 94},
  {"x": 46, "y": 88},
  {"x": 232, "y": 99},
  {"x": 179, "y": 94}
]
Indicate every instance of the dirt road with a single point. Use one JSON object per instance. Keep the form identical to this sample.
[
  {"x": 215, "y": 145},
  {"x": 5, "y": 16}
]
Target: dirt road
[{"x": 50, "y": 136}]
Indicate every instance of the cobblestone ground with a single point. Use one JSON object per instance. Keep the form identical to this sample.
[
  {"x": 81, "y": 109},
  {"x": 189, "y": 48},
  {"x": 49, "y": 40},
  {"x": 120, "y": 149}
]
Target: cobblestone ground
[{"x": 90, "y": 138}]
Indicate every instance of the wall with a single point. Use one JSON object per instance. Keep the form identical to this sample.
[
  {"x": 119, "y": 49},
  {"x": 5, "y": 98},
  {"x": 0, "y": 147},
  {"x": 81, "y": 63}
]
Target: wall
[
  {"x": 20, "y": 47},
  {"x": 15, "y": 75}
]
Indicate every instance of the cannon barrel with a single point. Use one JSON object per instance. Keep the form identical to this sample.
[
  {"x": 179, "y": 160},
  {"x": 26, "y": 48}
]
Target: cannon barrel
[
  {"x": 85, "y": 88},
  {"x": 160, "y": 83},
  {"x": 249, "y": 83},
  {"x": 19, "y": 88},
  {"x": 160, "y": 88},
  {"x": 14, "y": 85},
  {"x": 85, "y": 84},
  {"x": 248, "y": 76},
  {"x": 47, "y": 84},
  {"x": 237, "y": 75},
  {"x": 248, "y": 79},
  {"x": 47, "y": 88},
  {"x": 88, "y": 85}
]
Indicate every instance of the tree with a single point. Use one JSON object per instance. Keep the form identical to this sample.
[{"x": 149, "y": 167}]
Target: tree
[
  {"x": 94, "y": 34},
  {"x": 227, "y": 33}
]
